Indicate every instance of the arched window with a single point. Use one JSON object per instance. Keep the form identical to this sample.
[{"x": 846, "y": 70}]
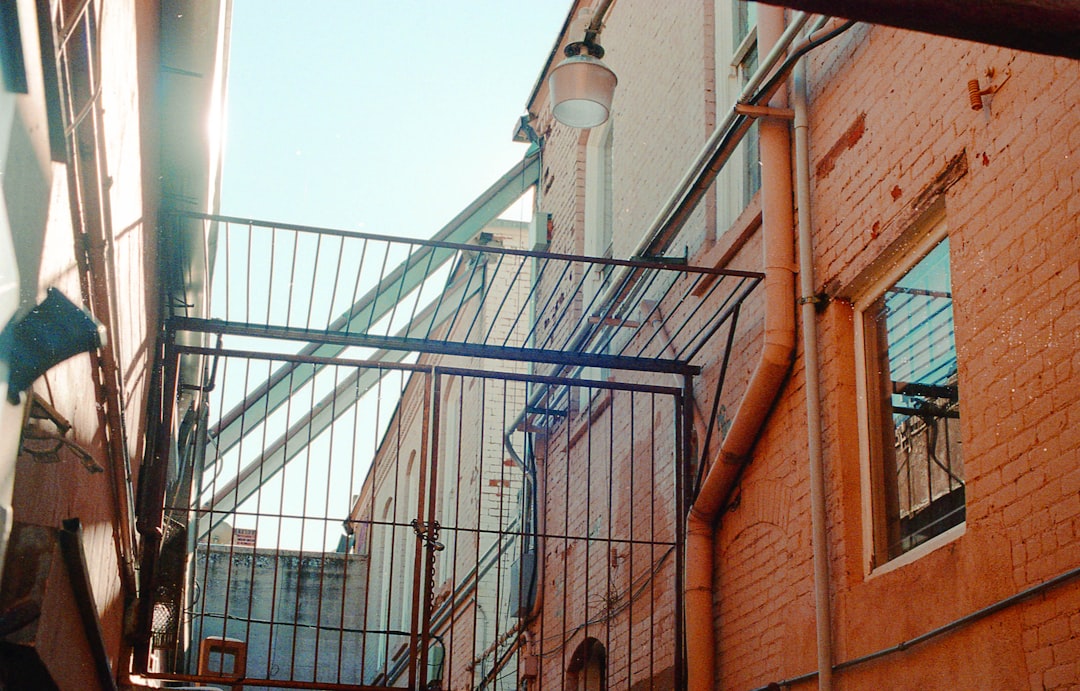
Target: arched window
[
  {"x": 383, "y": 588},
  {"x": 599, "y": 224},
  {"x": 588, "y": 667},
  {"x": 599, "y": 213}
]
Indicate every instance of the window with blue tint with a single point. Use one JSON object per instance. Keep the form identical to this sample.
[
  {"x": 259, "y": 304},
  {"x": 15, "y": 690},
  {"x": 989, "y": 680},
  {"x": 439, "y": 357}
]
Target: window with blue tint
[{"x": 914, "y": 407}]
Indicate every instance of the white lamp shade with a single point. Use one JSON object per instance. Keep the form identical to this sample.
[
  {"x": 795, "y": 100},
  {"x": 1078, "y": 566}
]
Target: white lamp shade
[{"x": 581, "y": 91}]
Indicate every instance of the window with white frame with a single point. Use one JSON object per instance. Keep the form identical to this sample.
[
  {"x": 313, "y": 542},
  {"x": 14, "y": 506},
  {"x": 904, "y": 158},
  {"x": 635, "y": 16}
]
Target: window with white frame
[
  {"x": 598, "y": 196},
  {"x": 450, "y": 474},
  {"x": 599, "y": 223},
  {"x": 911, "y": 427},
  {"x": 736, "y": 60},
  {"x": 744, "y": 63}
]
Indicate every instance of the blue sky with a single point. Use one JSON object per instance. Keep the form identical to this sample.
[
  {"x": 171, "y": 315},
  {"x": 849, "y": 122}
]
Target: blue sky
[{"x": 387, "y": 117}]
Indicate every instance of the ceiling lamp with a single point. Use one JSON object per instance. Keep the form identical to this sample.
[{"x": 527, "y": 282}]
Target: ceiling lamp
[{"x": 581, "y": 86}]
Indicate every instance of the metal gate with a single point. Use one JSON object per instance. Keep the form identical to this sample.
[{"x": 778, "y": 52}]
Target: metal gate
[
  {"x": 442, "y": 533},
  {"x": 466, "y": 472}
]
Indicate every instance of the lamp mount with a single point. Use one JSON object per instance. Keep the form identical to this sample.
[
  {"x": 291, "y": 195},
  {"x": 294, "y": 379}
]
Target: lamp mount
[{"x": 589, "y": 46}]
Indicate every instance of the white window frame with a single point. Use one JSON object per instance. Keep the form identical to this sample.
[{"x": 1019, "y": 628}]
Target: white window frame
[
  {"x": 893, "y": 265},
  {"x": 732, "y": 193},
  {"x": 599, "y": 240}
]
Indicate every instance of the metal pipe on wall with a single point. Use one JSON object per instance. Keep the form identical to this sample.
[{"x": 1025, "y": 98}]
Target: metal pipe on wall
[
  {"x": 765, "y": 382},
  {"x": 808, "y": 313}
]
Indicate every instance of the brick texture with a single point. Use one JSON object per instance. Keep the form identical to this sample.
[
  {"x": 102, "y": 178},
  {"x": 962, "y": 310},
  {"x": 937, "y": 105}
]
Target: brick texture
[{"x": 891, "y": 132}]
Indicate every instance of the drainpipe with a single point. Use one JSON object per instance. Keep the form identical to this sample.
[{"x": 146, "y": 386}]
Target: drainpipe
[
  {"x": 765, "y": 382},
  {"x": 807, "y": 300}
]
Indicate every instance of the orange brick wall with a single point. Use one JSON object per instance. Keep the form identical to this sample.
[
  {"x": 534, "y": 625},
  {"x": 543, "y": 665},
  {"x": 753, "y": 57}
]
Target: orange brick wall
[
  {"x": 889, "y": 112},
  {"x": 46, "y": 494}
]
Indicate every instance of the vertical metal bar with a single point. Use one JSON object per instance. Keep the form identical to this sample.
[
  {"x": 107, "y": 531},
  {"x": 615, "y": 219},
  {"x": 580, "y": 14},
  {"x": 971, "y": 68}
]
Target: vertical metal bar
[
  {"x": 349, "y": 544},
  {"x": 586, "y": 534},
  {"x": 389, "y": 591},
  {"x": 431, "y": 439},
  {"x": 652, "y": 535},
  {"x": 721, "y": 377},
  {"x": 337, "y": 281},
  {"x": 314, "y": 277},
  {"x": 448, "y": 657},
  {"x": 486, "y": 284},
  {"x": 232, "y": 548},
  {"x": 400, "y": 290},
  {"x": 292, "y": 276},
  {"x": 373, "y": 474},
  {"x": 476, "y": 534},
  {"x": 279, "y": 520},
  {"x": 259, "y": 522},
  {"x": 683, "y": 453},
  {"x": 554, "y": 291},
  {"x": 541, "y": 548},
  {"x": 247, "y": 274},
  {"x": 303, "y": 519},
  {"x": 356, "y": 289},
  {"x": 378, "y": 291},
  {"x": 609, "y": 614},
  {"x": 228, "y": 272},
  {"x": 325, "y": 519},
  {"x": 566, "y": 538},
  {"x": 419, "y": 294},
  {"x": 520, "y": 261},
  {"x": 500, "y": 536},
  {"x": 417, "y": 642},
  {"x": 464, "y": 296},
  {"x": 482, "y": 500},
  {"x": 632, "y": 544},
  {"x": 270, "y": 279},
  {"x": 150, "y": 519}
]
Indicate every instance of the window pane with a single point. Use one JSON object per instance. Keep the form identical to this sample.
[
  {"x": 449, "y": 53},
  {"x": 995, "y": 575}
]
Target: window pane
[
  {"x": 745, "y": 19},
  {"x": 920, "y": 457}
]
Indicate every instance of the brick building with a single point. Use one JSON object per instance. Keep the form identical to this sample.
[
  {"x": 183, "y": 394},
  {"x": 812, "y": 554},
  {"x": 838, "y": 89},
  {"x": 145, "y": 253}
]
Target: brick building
[
  {"x": 476, "y": 491},
  {"x": 805, "y": 412},
  {"x": 891, "y": 479},
  {"x": 105, "y": 111}
]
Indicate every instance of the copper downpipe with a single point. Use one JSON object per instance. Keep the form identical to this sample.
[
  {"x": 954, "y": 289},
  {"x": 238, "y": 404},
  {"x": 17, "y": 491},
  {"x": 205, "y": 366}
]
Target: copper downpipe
[{"x": 766, "y": 380}]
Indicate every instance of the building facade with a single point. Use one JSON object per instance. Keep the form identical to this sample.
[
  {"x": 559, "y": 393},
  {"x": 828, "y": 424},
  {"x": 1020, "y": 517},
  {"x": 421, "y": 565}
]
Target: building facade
[
  {"x": 105, "y": 124},
  {"x": 471, "y": 483},
  {"x": 915, "y": 475}
]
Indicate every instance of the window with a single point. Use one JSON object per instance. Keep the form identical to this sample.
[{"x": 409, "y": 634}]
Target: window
[
  {"x": 912, "y": 409},
  {"x": 744, "y": 63},
  {"x": 12, "y": 66},
  {"x": 588, "y": 667},
  {"x": 736, "y": 61},
  {"x": 598, "y": 191},
  {"x": 599, "y": 236}
]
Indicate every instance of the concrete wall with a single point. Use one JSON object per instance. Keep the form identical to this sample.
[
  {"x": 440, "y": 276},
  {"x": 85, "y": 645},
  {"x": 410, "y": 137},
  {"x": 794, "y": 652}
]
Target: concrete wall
[
  {"x": 301, "y": 614},
  {"x": 889, "y": 114}
]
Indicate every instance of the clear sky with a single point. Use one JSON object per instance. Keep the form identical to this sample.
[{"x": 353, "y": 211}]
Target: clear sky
[{"x": 387, "y": 117}]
